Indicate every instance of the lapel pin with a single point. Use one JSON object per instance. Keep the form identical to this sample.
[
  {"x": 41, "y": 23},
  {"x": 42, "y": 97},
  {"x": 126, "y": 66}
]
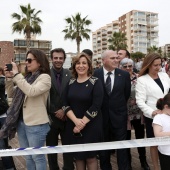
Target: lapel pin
[
  {"x": 86, "y": 85},
  {"x": 66, "y": 74},
  {"x": 119, "y": 74}
]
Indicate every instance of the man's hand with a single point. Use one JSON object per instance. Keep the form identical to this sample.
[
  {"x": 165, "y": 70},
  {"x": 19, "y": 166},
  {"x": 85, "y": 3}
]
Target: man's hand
[{"x": 59, "y": 114}]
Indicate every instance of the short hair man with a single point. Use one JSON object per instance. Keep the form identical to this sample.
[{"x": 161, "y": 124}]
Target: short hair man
[
  {"x": 59, "y": 77},
  {"x": 117, "y": 88},
  {"x": 123, "y": 53},
  {"x": 89, "y": 53}
]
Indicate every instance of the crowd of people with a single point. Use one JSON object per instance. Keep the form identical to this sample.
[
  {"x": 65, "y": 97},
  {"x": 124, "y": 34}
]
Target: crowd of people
[{"x": 86, "y": 105}]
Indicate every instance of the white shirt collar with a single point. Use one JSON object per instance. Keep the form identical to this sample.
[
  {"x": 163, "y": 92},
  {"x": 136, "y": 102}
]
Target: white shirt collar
[{"x": 105, "y": 71}]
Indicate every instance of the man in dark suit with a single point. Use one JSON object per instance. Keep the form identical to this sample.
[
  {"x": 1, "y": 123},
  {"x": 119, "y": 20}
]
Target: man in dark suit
[
  {"x": 117, "y": 87},
  {"x": 60, "y": 77}
]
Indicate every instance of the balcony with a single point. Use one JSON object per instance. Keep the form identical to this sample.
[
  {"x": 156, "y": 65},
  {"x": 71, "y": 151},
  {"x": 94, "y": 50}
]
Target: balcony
[
  {"x": 152, "y": 35},
  {"x": 109, "y": 31},
  {"x": 152, "y": 23},
  {"x": 104, "y": 32},
  {"x": 140, "y": 22},
  {"x": 104, "y": 38},
  {"x": 98, "y": 32},
  {"x": 104, "y": 47},
  {"x": 152, "y": 30},
  {"x": 136, "y": 29},
  {"x": 140, "y": 34},
  {"x": 104, "y": 42}
]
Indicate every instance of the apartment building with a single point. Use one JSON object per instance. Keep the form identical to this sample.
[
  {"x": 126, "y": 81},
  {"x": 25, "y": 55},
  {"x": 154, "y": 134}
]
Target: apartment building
[
  {"x": 20, "y": 48},
  {"x": 100, "y": 37},
  {"x": 141, "y": 30},
  {"x": 6, "y": 52},
  {"x": 167, "y": 49}
]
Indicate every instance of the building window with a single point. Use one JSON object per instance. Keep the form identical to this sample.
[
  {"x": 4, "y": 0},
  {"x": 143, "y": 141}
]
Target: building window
[{"x": 0, "y": 50}]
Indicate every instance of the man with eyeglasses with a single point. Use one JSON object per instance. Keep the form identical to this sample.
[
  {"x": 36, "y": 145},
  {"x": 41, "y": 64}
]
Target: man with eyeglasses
[{"x": 60, "y": 77}]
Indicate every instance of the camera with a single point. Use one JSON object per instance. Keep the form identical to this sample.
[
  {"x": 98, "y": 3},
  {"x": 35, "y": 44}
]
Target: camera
[{"x": 9, "y": 67}]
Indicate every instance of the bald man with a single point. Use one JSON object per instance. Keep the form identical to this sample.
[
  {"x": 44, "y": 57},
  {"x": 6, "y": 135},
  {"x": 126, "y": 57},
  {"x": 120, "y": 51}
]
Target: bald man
[{"x": 117, "y": 88}]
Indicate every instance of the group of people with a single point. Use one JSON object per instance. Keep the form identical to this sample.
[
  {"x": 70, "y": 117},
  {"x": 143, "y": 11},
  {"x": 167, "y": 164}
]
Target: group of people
[{"x": 87, "y": 105}]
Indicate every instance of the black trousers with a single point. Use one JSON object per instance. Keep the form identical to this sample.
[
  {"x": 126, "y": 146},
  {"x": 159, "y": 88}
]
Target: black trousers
[
  {"x": 111, "y": 134},
  {"x": 52, "y": 140},
  {"x": 8, "y": 161},
  {"x": 164, "y": 161},
  {"x": 139, "y": 134}
]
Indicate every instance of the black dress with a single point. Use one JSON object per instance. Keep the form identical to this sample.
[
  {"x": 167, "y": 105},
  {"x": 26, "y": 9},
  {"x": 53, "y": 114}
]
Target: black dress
[{"x": 85, "y": 99}]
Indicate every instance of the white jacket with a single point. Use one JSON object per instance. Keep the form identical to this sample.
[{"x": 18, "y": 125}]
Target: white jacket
[{"x": 148, "y": 92}]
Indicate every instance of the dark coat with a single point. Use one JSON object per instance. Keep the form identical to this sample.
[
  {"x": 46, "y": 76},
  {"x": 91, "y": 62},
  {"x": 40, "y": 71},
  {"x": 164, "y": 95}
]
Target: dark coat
[
  {"x": 114, "y": 107},
  {"x": 56, "y": 97}
]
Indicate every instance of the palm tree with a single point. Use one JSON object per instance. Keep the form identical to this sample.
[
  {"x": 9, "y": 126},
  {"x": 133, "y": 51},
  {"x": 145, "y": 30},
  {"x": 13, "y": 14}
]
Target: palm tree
[
  {"x": 117, "y": 41},
  {"x": 152, "y": 49},
  {"x": 28, "y": 22},
  {"x": 76, "y": 29}
]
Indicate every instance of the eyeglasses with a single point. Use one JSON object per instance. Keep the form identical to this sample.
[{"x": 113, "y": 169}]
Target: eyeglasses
[
  {"x": 128, "y": 66},
  {"x": 29, "y": 60}
]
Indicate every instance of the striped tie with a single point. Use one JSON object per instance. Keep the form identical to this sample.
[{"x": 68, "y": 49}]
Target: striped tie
[{"x": 108, "y": 83}]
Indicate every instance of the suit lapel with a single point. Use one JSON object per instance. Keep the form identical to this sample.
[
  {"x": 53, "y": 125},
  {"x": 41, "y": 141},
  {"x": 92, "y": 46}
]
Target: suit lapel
[
  {"x": 101, "y": 74},
  {"x": 64, "y": 80},
  {"x": 157, "y": 86},
  {"x": 54, "y": 82},
  {"x": 116, "y": 80}
]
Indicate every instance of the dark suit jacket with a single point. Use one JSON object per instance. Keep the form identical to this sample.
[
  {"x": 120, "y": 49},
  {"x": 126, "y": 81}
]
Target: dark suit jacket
[
  {"x": 56, "y": 97},
  {"x": 114, "y": 107}
]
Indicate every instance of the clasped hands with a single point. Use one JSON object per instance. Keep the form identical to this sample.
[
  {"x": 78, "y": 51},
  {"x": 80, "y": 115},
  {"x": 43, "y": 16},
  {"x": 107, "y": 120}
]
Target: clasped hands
[{"x": 79, "y": 125}]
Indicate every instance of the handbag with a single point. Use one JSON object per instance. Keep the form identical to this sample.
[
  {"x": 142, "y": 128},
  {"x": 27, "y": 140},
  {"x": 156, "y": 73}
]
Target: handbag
[{"x": 3, "y": 106}]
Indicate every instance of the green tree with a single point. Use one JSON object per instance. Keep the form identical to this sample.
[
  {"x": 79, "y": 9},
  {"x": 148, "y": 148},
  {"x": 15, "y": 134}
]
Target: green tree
[
  {"x": 137, "y": 55},
  {"x": 28, "y": 22},
  {"x": 152, "y": 49},
  {"x": 76, "y": 29},
  {"x": 117, "y": 41},
  {"x": 160, "y": 52}
]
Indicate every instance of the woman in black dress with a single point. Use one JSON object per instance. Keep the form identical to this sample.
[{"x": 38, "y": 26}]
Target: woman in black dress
[{"x": 84, "y": 98}]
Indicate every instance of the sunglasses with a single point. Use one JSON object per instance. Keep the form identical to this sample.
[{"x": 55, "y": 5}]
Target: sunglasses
[
  {"x": 29, "y": 60},
  {"x": 128, "y": 66}
]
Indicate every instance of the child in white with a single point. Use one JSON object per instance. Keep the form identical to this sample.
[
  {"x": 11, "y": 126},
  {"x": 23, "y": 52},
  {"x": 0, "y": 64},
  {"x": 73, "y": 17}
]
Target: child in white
[{"x": 161, "y": 127}]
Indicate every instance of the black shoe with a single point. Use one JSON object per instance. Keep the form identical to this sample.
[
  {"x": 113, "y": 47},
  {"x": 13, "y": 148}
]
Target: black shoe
[{"x": 145, "y": 165}]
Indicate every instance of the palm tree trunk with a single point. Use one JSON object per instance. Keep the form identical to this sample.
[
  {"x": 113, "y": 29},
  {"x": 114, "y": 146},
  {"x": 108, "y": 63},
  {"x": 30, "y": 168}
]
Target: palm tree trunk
[
  {"x": 78, "y": 44},
  {"x": 28, "y": 44}
]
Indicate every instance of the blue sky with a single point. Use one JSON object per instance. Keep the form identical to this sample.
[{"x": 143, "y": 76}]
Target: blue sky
[{"x": 101, "y": 12}]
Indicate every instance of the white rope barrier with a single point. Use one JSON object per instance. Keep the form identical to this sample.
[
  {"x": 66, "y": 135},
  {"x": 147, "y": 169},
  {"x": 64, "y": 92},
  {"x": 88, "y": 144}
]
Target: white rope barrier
[{"x": 87, "y": 147}]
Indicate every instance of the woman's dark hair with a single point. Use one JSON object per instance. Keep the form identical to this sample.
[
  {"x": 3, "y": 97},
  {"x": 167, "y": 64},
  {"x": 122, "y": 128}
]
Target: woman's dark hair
[
  {"x": 41, "y": 58},
  {"x": 76, "y": 59},
  {"x": 2, "y": 70},
  {"x": 149, "y": 59},
  {"x": 163, "y": 101}
]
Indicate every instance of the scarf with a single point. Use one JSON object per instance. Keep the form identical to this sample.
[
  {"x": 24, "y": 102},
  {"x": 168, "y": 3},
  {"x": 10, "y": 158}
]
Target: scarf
[{"x": 9, "y": 127}]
